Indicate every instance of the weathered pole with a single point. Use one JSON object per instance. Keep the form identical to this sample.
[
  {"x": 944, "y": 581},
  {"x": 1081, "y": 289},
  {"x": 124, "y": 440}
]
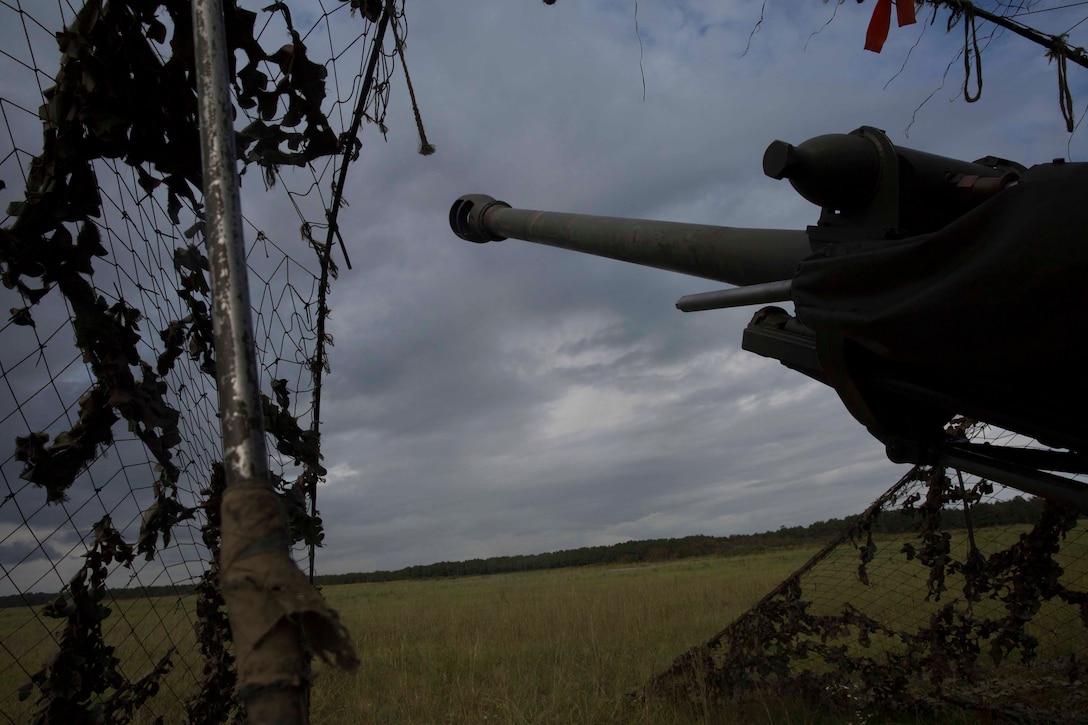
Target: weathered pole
[{"x": 277, "y": 618}]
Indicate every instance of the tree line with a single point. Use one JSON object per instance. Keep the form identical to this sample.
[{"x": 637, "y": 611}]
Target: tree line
[
  {"x": 1018, "y": 510},
  {"x": 1001, "y": 513}
]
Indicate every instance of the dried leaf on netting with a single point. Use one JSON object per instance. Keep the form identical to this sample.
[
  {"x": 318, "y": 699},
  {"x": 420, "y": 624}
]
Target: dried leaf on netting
[
  {"x": 109, "y": 337},
  {"x": 279, "y": 388},
  {"x": 253, "y": 83},
  {"x": 69, "y": 257},
  {"x": 148, "y": 406},
  {"x": 30, "y": 447},
  {"x": 21, "y": 316},
  {"x": 301, "y": 90},
  {"x": 291, "y": 439},
  {"x": 32, "y": 295},
  {"x": 156, "y": 31},
  {"x": 83, "y": 672},
  {"x": 1025, "y": 575},
  {"x": 196, "y": 228},
  {"x": 200, "y": 349},
  {"x": 158, "y": 520},
  {"x": 191, "y": 258},
  {"x": 267, "y": 104},
  {"x": 89, "y": 242},
  {"x": 127, "y": 319},
  {"x": 110, "y": 544},
  {"x": 371, "y": 9},
  {"x": 124, "y": 701},
  {"x": 173, "y": 338},
  {"x": 55, "y": 467},
  {"x": 301, "y": 525},
  {"x": 191, "y": 263},
  {"x": 178, "y": 188},
  {"x": 201, "y": 335}
]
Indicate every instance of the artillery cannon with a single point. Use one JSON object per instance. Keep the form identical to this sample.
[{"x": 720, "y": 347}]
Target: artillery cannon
[{"x": 929, "y": 288}]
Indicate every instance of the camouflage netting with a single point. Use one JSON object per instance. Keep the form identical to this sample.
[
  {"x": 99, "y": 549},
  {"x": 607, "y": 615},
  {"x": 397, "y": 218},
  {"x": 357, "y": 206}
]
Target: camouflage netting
[
  {"x": 109, "y": 517},
  {"x": 921, "y": 605}
]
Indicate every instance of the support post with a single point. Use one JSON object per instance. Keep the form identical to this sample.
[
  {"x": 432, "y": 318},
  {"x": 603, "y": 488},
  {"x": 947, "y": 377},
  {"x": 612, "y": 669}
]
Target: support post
[{"x": 277, "y": 618}]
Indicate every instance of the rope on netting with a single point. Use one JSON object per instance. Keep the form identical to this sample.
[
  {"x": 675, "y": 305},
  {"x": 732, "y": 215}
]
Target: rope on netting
[
  {"x": 1057, "y": 47},
  {"x": 1065, "y": 96},
  {"x": 970, "y": 48},
  {"x": 350, "y": 144},
  {"x": 372, "y": 89},
  {"x": 425, "y": 147}
]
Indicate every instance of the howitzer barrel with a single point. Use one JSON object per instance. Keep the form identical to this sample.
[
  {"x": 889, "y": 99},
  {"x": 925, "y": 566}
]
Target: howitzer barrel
[{"x": 727, "y": 254}]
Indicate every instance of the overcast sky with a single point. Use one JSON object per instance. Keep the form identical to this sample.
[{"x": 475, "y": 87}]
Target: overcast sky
[{"x": 511, "y": 399}]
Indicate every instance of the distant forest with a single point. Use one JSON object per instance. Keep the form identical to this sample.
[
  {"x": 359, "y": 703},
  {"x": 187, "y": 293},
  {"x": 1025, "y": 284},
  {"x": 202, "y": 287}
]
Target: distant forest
[{"x": 1003, "y": 513}]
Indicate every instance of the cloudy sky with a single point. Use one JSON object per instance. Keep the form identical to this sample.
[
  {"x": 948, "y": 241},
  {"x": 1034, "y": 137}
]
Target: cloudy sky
[{"x": 510, "y": 398}]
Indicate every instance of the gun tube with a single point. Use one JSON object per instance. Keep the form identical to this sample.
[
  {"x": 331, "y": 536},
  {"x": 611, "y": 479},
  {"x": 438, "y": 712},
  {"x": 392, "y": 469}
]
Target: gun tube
[{"x": 726, "y": 254}]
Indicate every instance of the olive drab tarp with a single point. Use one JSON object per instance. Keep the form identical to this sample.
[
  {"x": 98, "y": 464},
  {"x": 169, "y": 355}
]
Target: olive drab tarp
[{"x": 995, "y": 303}]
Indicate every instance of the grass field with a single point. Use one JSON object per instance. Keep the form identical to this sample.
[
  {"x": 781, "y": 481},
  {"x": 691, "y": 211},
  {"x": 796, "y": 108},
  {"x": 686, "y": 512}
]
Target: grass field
[
  {"x": 562, "y": 646},
  {"x": 558, "y": 646},
  {"x": 140, "y": 630}
]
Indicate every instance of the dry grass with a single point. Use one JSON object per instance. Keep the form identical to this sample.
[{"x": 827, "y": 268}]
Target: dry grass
[
  {"x": 562, "y": 646},
  {"x": 140, "y": 630},
  {"x": 543, "y": 647}
]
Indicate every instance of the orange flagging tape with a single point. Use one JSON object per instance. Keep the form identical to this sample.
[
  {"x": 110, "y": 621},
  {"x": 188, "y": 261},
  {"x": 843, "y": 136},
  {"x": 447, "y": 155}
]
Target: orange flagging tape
[{"x": 881, "y": 21}]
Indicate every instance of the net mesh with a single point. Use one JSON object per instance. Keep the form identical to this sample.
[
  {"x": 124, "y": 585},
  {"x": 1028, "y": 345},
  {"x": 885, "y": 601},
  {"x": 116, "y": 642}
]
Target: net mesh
[
  {"x": 950, "y": 591},
  {"x": 108, "y": 410}
]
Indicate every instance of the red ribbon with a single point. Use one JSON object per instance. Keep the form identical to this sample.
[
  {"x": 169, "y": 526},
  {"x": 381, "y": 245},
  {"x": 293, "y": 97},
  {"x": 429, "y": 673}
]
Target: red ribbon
[{"x": 881, "y": 21}]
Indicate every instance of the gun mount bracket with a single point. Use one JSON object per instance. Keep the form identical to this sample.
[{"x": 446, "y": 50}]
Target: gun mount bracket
[
  {"x": 1029, "y": 470},
  {"x": 776, "y": 334}
]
